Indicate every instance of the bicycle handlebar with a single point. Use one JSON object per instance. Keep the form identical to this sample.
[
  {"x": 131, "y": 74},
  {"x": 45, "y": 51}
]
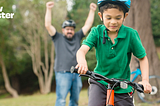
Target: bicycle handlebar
[{"x": 116, "y": 82}]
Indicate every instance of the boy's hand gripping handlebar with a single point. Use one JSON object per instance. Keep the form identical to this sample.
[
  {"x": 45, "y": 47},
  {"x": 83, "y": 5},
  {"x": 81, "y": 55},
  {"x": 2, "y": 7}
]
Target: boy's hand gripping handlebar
[{"x": 116, "y": 82}]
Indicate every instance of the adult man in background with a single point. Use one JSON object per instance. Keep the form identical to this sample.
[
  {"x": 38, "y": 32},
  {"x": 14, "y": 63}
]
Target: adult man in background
[{"x": 66, "y": 46}]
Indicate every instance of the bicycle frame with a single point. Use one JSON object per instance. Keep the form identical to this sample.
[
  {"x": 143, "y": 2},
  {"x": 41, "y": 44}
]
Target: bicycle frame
[
  {"x": 110, "y": 98},
  {"x": 155, "y": 87},
  {"x": 137, "y": 72},
  {"x": 111, "y": 84}
]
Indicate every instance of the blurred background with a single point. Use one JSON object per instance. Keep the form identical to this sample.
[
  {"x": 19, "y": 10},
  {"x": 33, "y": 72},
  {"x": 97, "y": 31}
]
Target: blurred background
[{"x": 27, "y": 52}]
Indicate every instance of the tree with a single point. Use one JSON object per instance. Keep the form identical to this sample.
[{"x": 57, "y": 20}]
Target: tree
[
  {"x": 8, "y": 86},
  {"x": 155, "y": 14},
  {"x": 5, "y": 50},
  {"x": 139, "y": 18},
  {"x": 141, "y": 21},
  {"x": 34, "y": 38}
]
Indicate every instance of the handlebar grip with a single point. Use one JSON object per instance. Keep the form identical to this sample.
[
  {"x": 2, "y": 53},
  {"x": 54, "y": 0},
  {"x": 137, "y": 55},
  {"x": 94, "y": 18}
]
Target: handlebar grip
[
  {"x": 141, "y": 89},
  {"x": 74, "y": 70},
  {"x": 140, "y": 85}
]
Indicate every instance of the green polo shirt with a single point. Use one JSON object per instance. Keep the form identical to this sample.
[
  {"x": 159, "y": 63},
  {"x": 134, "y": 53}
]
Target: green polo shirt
[{"x": 113, "y": 59}]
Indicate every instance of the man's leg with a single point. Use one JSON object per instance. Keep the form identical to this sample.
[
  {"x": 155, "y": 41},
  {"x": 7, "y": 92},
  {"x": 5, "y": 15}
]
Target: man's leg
[
  {"x": 75, "y": 90},
  {"x": 63, "y": 86}
]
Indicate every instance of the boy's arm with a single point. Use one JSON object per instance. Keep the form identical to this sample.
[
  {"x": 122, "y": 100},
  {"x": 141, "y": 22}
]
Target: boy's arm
[
  {"x": 51, "y": 29},
  {"x": 145, "y": 74},
  {"x": 90, "y": 18},
  {"x": 81, "y": 60}
]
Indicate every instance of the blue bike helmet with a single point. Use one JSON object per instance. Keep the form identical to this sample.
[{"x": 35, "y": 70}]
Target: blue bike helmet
[
  {"x": 70, "y": 23},
  {"x": 125, "y": 3}
]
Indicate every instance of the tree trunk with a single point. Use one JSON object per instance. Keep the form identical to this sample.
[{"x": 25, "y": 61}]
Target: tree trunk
[
  {"x": 8, "y": 87},
  {"x": 15, "y": 83},
  {"x": 43, "y": 72},
  {"x": 139, "y": 18}
]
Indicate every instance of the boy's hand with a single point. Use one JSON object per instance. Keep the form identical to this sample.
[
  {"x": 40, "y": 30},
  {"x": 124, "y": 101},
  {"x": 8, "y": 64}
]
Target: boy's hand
[
  {"x": 82, "y": 68},
  {"x": 50, "y": 4},
  {"x": 93, "y": 6},
  {"x": 147, "y": 86}
]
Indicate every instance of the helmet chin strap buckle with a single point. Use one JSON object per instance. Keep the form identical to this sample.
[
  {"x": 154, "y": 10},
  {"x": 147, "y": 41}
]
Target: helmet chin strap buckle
[{"x": 104, "y": 38}]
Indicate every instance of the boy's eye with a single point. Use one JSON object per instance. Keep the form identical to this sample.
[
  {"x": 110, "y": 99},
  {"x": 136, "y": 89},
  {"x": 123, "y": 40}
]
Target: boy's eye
[
  {"x": 118, "y": 18},
  {"x": 108, "y": 18}
]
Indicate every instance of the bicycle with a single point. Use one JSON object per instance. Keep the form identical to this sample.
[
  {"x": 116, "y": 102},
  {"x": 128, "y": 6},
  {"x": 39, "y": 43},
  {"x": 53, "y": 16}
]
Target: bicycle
[
  {"x": 112, "y": 83},
  {"x": 154, "y": 96}
]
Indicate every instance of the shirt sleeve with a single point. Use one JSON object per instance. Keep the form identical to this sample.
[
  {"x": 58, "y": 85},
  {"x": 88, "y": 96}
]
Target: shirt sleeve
[
  {"x": 80, "y": 34},
  {"x": 55, "y": 36},
  {"x": 136, "y": 46}
]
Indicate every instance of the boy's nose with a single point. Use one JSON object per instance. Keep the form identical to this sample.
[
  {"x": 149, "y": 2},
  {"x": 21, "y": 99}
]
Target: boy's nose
[{"x": 113, "y": 21}]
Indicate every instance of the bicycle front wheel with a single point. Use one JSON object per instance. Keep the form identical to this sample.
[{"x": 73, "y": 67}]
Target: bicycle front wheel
[{"x": 154, "y": 96}]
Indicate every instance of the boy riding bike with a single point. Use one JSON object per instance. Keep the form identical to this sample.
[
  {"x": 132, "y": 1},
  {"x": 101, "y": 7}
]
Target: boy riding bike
[{"x": 114, "y": 44}]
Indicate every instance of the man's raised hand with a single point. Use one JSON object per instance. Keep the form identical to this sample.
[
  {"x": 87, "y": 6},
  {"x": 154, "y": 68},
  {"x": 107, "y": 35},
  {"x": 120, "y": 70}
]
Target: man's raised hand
[
  {"x": 50, "y": 4},
  {"x": 93, "y": 6}
]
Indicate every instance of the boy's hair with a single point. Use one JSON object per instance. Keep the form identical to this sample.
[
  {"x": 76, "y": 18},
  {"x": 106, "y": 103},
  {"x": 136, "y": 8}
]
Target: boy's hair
[{"x": 110, "y": 5}]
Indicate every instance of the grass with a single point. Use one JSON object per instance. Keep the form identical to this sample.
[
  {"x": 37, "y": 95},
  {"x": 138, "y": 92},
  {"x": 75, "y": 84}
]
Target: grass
[
  {"x": 40, "y": 100},
  {"x": 48, "y": 100}
]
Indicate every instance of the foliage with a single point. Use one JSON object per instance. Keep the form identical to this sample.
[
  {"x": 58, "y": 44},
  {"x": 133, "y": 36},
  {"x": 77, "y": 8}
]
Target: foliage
[
  {"x": 8, "y": 49},
  {"x": 16, "y": 59},
  {"x": 33, "y": 37},
  {"x": 80, "y": 11},
  {"x": 155, "y": 14}
]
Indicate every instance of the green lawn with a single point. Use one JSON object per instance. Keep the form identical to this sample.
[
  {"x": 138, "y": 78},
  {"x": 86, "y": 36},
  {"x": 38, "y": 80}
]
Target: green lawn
[
  {"x": 40, "y": 100},
  {"x": 46, "y": 100}
]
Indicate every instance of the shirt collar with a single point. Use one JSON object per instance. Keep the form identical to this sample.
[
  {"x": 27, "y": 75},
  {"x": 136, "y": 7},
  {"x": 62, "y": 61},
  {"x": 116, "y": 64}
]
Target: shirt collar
[{"x": 121, "y": 32}]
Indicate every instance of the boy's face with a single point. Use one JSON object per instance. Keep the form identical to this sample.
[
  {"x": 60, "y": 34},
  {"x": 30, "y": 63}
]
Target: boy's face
[{"x": 112, "y": 19}]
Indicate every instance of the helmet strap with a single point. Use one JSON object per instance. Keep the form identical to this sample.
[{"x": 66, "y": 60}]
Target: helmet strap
[{"x": 104, "y": 38}]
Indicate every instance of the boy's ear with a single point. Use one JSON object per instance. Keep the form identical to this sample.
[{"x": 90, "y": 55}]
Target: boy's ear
[
  {"x": 100, "y": 15},
  {"x": 125, "y": 16}
]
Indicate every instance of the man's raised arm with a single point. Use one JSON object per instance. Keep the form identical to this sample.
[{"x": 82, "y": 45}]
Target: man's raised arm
[
  {"x": 90, "y": 19},
  {"x": 51, "y": 29}
]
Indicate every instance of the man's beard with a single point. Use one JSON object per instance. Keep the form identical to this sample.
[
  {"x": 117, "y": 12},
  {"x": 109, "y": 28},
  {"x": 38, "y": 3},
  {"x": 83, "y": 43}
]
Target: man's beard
[{"x": 69, "y": 37}]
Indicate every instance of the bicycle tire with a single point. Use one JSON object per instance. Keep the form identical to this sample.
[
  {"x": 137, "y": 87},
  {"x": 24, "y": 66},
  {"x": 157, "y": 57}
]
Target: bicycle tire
[{"x": 154, "y": 96}]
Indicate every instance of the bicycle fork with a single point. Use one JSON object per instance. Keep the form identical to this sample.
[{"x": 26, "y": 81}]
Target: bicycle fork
[{"x": 110, "y": 96}]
